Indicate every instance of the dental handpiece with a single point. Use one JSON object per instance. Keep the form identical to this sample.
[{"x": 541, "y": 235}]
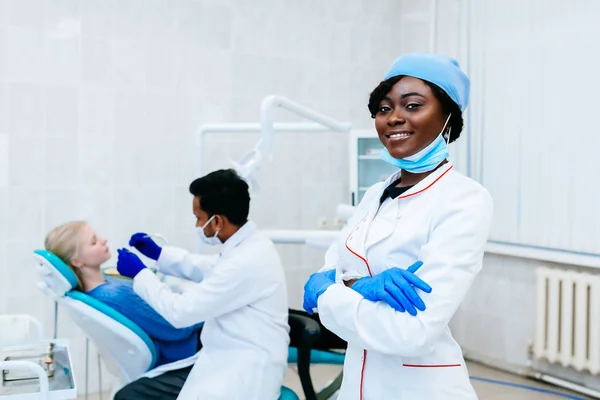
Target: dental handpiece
[{"x": 157, "y": 236}]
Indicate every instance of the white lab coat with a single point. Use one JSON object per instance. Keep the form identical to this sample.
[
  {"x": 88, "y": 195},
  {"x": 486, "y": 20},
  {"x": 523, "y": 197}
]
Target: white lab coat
[
  {"x": 241, "y": 295},
  {"x": 443, "y": 221}
]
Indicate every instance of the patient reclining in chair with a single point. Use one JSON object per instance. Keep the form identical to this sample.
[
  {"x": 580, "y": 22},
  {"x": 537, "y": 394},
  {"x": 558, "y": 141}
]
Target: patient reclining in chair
[{"x": 77, "y": 244}]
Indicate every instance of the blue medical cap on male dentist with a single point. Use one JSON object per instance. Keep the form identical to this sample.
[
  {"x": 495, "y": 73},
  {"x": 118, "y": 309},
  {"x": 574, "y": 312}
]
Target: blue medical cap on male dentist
[{"x": 443, "y": 71}]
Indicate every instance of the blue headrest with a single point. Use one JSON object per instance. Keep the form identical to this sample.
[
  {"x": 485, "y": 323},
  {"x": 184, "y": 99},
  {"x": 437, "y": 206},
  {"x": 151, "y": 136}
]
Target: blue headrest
[
  {"x": 60, "y": 266},
  {"x": 70, "y": 277}
]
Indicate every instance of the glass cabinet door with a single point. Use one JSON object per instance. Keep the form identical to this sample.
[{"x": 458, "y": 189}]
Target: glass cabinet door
[{"x": 371, "y": 169}]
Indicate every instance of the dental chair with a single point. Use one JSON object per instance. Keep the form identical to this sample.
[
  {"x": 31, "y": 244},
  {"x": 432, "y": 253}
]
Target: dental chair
[
  {"x": 304, "y": 350},
  {"x": 127, "y": 351}
]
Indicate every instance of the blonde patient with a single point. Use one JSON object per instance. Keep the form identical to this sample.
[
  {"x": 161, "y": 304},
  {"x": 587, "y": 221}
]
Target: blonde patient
[
  {"x": 78, "y": 245},
  {"x": 84, "y": 251}
]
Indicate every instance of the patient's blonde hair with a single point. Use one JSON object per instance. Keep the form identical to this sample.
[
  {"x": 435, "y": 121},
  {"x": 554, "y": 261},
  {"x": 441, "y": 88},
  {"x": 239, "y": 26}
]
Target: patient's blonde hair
[{"x": 63, "y": 241}]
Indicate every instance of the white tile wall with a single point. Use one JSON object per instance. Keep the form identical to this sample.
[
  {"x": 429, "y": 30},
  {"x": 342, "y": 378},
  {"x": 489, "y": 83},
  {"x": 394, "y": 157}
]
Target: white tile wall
[
  {"x": 94, "y": 157},
  {"x": 100, "y": 99},
  {"x": 25, "y": 109},
  {"x": 61, "y": 157},
  {"x": 4, "y": 161},
  {"x": 3, "y": 47},
  {"x": 62, "y": 54},
  {"x": 95, "y": 204},
  {"x": 3, "y": 103},
  {"x": 26, "y": 208},
  {"x": 96, "y": 111},
  {"x": 26, "y": 13},
  {"x": 60, "y": 206},
  {"x": 4, "y": 282},
  {"x": 3, "y": 7},
  {"x": 27, "y": 160},
  {"x": 98, "y": 17},
  {"x": 61, "y": 105},
  {"x": 24, "y": 53},
  {"x": 58, "y": 11}
]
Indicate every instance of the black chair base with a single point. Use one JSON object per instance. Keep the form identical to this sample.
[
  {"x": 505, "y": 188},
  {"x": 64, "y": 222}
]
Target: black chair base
[{"x": 307, "y": 333}]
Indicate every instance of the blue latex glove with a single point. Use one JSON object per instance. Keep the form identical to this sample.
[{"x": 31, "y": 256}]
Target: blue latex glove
[
  {"x": 395, "y": 287},
  {"x": 145, "y": 245},
  {"x": 315, "y": 286},
  {"x": 129, "y": 264}
]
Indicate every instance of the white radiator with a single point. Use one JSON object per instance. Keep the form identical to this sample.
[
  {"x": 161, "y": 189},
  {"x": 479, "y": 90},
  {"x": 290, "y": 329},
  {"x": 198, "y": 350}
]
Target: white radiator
[{"x": 568, "y": 319}]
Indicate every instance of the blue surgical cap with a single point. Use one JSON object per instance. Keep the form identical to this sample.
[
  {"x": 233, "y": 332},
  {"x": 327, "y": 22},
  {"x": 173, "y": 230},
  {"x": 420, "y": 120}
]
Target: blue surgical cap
[{"x": 443, "y": 71}]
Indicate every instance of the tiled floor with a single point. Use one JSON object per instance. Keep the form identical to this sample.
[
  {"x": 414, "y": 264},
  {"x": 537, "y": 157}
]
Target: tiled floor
[
  {"x": 322, "y": 374},
  {"x": 494, "y": 391}
]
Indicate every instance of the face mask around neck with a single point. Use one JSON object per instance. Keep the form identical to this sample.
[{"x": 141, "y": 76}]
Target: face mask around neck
[{"x": 425, "y": 160}]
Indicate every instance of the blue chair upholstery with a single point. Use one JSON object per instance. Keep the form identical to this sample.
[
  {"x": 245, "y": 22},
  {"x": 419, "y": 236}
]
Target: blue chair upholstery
[
  {"x": 110, "y": 312},
  {"x": 288, "y": 394},
  {"x": 68, "y": 274},
  {"x": 126, "y": 349},
  {"x": 318, "y": 356}
]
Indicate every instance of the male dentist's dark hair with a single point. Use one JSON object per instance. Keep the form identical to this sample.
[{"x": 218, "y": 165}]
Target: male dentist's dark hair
[{"x": 223, "y": 192}]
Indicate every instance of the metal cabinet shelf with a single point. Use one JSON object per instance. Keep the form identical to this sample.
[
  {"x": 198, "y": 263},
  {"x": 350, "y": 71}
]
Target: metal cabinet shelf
[{"x": 366, "y": 168}]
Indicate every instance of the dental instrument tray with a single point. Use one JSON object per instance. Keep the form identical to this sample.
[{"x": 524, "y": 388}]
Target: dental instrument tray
[
  {"x": 60, "y": 386},
  {"x": 40, "y": 353}
]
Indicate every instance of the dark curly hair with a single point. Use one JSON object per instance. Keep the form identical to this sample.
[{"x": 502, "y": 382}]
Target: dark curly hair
[{"x": 448, "y": 105}]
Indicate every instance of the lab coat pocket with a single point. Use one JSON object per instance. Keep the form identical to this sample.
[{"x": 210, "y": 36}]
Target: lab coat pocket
[{"x": 433, "y": 381}]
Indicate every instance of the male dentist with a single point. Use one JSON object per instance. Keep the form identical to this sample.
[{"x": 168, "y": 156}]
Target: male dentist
[{"x": 240, "y": 295}]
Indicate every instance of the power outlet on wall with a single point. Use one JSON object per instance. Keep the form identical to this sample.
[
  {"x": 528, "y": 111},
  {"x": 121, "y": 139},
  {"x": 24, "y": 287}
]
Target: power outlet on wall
[
  {"x": 338, "y": 223},
  {"x": 322, "y": 223}
]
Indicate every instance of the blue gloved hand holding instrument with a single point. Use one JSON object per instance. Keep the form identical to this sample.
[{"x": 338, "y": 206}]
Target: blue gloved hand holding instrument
[
  {"x": 129, "y": 264},
  {"x": 145, "y": 245}
]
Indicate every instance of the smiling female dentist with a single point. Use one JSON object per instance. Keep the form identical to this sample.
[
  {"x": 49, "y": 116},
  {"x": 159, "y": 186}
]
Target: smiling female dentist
[{"x": 426, "y": 211}]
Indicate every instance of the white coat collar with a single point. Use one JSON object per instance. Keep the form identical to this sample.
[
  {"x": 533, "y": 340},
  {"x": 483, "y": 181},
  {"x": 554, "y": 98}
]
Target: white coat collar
[
  {"x": 425, "y": 184},
  {"x": 242, "y": 234},
  {"x": 420, "y": 187}
]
